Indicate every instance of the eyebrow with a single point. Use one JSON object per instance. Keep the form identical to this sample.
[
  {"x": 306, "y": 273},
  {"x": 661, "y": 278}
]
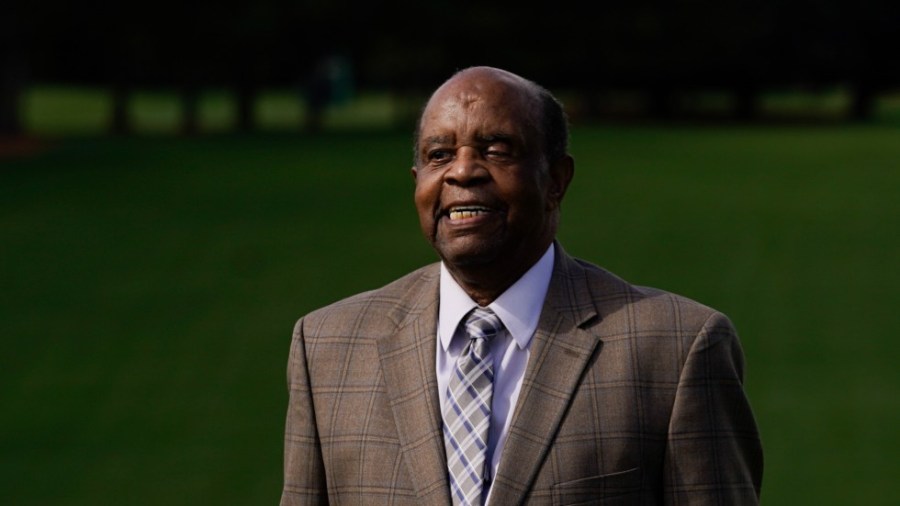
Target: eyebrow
[
  {"x": 436, "y": 139},
  {"x": 498, "y": 137},
  {"x": 447, "y": 139},
  {"x": 486, "y": 139}
]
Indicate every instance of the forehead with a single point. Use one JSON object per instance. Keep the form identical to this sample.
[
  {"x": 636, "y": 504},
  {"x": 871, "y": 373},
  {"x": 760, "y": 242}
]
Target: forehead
[{"x": 480, "y": 106}]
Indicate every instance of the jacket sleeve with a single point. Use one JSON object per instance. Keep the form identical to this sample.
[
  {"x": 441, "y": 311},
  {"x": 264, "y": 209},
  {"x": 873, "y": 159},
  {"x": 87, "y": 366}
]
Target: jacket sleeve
[
  {"x": 713, "y": 453},
  {"x": 304, "y": 470}
]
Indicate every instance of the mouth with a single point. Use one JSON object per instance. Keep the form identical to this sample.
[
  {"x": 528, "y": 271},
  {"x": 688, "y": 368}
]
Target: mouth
[{"x": 467, "y": 212}]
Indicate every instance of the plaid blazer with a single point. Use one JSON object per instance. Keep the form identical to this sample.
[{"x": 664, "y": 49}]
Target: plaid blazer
[{"x": 631, "y": 396}]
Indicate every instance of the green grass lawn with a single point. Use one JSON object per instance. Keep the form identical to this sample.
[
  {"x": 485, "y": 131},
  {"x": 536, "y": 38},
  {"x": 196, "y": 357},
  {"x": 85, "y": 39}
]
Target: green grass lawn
[
  {"x": 149, "y": 288},
  {"x": 66, "y": 110}
]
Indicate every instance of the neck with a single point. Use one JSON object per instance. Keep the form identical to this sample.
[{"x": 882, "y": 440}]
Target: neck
[
  {"x": 484, "y": 283},
  {"x": 482, "y": 289}
]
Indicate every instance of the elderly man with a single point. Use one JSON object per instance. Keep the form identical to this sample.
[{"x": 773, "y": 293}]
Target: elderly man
[{"x": 510, "y": 372}]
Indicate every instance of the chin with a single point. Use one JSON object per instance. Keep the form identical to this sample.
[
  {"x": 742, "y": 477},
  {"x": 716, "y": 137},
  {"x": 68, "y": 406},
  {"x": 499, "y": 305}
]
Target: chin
[{"x": 472, "y": 256}]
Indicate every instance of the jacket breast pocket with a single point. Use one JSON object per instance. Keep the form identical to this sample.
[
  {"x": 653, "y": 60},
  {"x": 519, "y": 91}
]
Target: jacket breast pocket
[{"x": 622, "y": 487}]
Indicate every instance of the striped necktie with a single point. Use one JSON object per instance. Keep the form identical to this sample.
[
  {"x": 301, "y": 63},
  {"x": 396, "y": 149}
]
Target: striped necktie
[{"x": 467, "y": 413}]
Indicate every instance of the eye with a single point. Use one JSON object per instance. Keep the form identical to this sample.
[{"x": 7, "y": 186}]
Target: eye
[
  {"x": 439, "y": 155},
  {"x": 498, "y": 152}
]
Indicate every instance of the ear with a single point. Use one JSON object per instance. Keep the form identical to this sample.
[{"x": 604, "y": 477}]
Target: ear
[
  {"x": 415, "y": 173},
  {"x": 561, "y": 173}
]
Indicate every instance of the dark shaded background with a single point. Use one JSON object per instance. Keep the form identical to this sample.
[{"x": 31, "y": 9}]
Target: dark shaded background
[{"x": 657, "y": 49}]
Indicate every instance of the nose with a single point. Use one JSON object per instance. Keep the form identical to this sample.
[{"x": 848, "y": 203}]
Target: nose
[{"x": 468, "y": 168}]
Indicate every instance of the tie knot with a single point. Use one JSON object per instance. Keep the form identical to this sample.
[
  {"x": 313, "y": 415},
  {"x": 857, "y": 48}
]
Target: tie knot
[{"x": 482, "y": 323}]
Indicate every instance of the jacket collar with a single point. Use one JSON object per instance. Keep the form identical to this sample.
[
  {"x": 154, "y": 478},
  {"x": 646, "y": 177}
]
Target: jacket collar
[{"x": 561, "y": 351}]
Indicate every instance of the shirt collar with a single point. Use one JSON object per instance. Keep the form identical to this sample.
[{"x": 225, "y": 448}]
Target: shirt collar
[{"x": 519, "y": 307}]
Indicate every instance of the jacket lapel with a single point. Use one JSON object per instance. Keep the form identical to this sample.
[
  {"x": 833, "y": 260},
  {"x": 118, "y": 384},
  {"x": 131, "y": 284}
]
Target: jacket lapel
[
  {"x": 407, "y": 360},
  {"x": 560, "y": 351}
]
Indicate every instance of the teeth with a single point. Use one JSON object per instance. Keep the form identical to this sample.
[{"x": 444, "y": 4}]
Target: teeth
[{"x": 460, "y": 213}]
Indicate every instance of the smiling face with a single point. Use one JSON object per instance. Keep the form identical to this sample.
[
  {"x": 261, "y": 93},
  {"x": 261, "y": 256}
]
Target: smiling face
[{"x": 486, "y": 195}]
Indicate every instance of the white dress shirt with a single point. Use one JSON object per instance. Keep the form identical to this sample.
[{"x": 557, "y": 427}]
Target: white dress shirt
[{"x": 519, "y": 308}]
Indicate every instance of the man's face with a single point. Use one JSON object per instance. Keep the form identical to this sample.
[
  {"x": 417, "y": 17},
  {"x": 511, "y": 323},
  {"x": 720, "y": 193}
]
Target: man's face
[{"x": 484, "y": 193}]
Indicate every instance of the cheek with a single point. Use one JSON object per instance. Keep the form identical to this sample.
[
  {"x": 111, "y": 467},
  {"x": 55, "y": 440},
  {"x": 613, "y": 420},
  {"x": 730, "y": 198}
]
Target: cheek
[
  {"x": 428, "y": 188},
  {"x": 421, "y": 198},
  {"x": 528, "y": 195},
  {"x": 424, "y": 200},
  {"x": 530, "y": 210}
]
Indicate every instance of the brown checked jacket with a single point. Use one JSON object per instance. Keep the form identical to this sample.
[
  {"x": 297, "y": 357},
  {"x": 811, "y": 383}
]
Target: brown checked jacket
[{"x": 631, "y": 396}]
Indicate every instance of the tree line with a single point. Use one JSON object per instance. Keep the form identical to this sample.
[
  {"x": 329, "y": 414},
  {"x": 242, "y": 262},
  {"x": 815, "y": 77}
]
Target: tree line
[{"x": 655, "y": 48}]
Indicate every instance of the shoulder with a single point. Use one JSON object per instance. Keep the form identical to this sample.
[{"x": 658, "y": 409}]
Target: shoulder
[
  {"x": 374, "y": 311},
  {"x": 647, "y": 307},
  {"x": 657, "y": 328}
]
